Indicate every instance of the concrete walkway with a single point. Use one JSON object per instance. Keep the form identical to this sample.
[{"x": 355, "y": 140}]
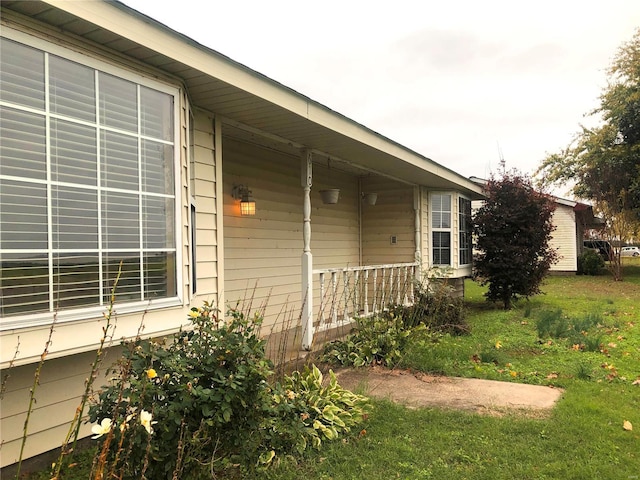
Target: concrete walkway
[{"x": 420, "y": 390}]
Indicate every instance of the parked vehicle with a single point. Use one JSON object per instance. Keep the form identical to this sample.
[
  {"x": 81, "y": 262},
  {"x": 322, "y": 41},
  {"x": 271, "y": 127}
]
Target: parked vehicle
[
  {"x": 601, "y": 246},
  {"x": 630, "y": 251}
]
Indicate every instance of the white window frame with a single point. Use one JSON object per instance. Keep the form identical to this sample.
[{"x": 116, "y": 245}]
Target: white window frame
[
  {"x": 459, "y": 249},
  {"x": 448, "y": 230},
  {"x": 84, "y": 313}
]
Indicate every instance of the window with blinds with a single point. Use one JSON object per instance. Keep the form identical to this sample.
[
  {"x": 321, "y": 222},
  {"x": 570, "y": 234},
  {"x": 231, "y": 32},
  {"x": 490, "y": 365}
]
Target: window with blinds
[
  {"x": 441, "y": 229},
  {"x": 86, "y": 185},
  {"x": 465, "y": 230}
]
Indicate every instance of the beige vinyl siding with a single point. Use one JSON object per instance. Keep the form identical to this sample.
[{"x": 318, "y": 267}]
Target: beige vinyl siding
[
  {"x": 335, "y": 236},
  {"x": 57, "y": 398},
  {"x": 392, "y": 215},
  {"x": 335, "y": 230},
  {"x": 204, "y": 193},
  {"x": 564, "y": 239},
  {"x": 263, "y": 252}
]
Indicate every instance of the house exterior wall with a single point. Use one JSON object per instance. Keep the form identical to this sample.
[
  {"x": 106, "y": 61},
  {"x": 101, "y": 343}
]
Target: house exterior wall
[
  {"x": 392, "y": 215},
  {"x": 335, "y": 240},
  {"x": 564, "y": 239},
  {"x": 262, "y": 252}
]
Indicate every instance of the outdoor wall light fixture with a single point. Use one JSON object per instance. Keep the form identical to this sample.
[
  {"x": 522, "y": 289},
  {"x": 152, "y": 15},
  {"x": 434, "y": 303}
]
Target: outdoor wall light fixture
[{"x": 247, "y": 203}]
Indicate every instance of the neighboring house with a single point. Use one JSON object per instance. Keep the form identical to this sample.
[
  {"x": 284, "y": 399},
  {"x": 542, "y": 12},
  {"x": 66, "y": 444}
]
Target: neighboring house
[
  {"x": 123, "y": 140},
  {"x": 571, "y": 220}
]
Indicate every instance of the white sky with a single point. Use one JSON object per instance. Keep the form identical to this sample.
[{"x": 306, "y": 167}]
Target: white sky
[{"x": 449, "y": 79}]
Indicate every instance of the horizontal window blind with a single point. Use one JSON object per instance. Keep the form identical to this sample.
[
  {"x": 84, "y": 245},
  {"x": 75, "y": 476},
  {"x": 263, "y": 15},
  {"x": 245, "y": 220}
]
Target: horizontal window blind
[
  {"x": 23, "y": 215},
  {"x": 75, "y": 218},
  {"x": 74, "y": 153},
  {"x": 24, "y": 283},
  {"x": 22, "y": 74},
  {"x": 23, "y": 146},
  {"x": 118, "y": 103},
  {"x": 72, "y": 89}
]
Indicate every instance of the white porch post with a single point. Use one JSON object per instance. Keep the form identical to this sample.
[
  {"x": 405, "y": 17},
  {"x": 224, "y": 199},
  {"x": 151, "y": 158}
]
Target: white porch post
[
  {"x": 307, "y": 258},
  {"x": 417, "y": 224}
]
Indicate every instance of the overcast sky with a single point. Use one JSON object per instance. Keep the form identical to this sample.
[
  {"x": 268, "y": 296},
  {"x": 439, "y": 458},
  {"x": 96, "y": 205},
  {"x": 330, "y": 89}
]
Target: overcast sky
[{"x": 457, "y": 81}]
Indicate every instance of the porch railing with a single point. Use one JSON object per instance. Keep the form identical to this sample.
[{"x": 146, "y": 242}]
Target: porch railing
[{"x": 345, "y": 293}]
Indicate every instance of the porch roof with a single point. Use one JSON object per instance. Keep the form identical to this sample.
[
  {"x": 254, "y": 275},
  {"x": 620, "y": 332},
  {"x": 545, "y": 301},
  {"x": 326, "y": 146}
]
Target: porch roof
[{"x": 240, "y": 95}]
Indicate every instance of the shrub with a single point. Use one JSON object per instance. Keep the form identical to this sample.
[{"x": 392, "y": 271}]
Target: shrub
[
  {"x": 383, "y": 338},
  {"x": 513, "y": 229},
  {"x": 177, "y": 404},
  {"x": 377, "y": 340},
  {"x": 436, "y": 309},
  {"x": 590, "y": 263}
]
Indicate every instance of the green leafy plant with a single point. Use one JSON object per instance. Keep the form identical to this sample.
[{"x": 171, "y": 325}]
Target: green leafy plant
[
  {"x": 308, "y": 411},
  {"x": 580, "y": 333},
  {"x": 551, "y": 324},
  {"x": 377, "y": 340},
  {"x": 590, "y": 263}
]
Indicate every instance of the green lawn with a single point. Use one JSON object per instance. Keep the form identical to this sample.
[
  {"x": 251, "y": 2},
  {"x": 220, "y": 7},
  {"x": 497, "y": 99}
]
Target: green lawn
[{"x": 582, "y": 438}]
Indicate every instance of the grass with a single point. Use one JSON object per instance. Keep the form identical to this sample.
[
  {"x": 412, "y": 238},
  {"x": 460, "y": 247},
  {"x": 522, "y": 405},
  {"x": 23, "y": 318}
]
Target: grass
[{"x": 583, "y": 437}]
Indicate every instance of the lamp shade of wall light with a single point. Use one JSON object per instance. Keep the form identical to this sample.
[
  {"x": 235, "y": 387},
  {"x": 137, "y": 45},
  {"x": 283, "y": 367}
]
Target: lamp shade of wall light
[
  {"x": 247, "y": 203},
  {"x": 247, "y": 206}
]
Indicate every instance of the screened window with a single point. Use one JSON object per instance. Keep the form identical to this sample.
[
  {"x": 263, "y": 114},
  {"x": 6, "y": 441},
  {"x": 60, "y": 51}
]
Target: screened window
[
  {"x": 86, "y": 184},
  {"x": 441, "y": 229},
  {"x": 465, "y": 248}
]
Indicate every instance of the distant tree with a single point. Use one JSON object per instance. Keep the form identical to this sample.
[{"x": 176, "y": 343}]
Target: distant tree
[
  {"x": 603, "y": 163},
  {"x": 512, "y": 231}
]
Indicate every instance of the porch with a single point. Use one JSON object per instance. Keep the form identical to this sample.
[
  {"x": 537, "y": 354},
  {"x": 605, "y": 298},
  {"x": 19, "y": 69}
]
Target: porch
[{"x": 306, "y": 263}]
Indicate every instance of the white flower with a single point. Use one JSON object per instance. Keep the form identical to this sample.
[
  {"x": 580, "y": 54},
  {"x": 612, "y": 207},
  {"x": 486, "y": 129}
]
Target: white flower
[
  {"x": 145, "y": 420},
  {"x": 124, "y": 425},
  {"x": 104, "y": 427}
]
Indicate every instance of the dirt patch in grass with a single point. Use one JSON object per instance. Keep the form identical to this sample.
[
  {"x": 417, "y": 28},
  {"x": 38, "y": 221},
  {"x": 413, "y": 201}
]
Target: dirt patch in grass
[{"x": 416, "y": 390}]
